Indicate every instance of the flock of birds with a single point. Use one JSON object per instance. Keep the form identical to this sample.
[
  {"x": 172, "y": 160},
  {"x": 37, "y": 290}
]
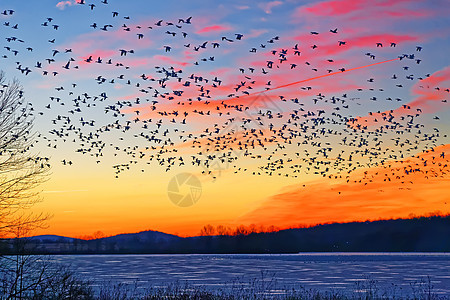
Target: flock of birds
[{"x": 182, "y": 119}]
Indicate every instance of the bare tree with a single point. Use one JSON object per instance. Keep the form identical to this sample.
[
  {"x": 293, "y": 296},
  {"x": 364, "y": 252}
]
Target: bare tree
[
  {"x": 20, "y": 171},
  {"x": 207, "y": 230}
]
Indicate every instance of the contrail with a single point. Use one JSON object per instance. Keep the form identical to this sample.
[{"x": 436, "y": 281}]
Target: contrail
[{"x": 321, "y": 76}]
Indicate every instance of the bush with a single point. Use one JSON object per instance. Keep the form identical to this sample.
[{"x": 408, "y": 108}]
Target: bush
[{"x": 37, "y": 277}]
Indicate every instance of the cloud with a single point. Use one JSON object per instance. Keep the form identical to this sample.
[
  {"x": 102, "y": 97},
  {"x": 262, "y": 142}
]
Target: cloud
[
  {"x": 62, "y": 4},
  {"x": 254, "y": 33},
  {"x": 242, "y": 7},
  {"x": 431, "y": 90},
  {"x": 170, "y": 60},
  {"x": 267, "y": 7},
  {"x": 102, "y": 54},
  {"x": 328, "y": 48},
  {"x": 334, "y": 8},
  {"x": 368, "y": 41},
  {"x": 365, "y": 9},
  {"x": 213, "y": 29},
  {"x": 427, "y": 93},
  {"x": 106, "y": 45}
]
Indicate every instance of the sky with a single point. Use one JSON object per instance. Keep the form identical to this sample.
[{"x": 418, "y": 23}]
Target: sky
[{"x": 171, "y": 115}]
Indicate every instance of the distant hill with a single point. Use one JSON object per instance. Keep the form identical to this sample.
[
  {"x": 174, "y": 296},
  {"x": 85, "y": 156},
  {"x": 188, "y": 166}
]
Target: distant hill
[
  {"x": 50, "y": 238},
  {"x": 143, "y": 236},
  {"x": 426, "y": 234},
  {"x": 145, "y": 241}
]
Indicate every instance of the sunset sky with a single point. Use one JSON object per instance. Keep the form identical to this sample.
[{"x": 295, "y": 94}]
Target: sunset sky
[{"x": 288, "y": 112}]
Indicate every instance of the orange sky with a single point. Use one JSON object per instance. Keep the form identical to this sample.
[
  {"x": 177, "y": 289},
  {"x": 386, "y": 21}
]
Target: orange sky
[{"x": 243, "y": 199}]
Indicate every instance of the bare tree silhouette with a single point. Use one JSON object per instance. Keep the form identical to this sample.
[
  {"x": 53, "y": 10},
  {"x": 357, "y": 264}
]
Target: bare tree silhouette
[
  {"x": 20, "y": 174},
  {"x": 20, "y": 170}
]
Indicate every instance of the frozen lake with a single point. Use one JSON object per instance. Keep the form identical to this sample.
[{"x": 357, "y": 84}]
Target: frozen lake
[{"x": 321, "y": 271}]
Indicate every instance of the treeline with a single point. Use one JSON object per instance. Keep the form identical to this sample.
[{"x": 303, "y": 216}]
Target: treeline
[
  {"x": 425, "y": 234},
  {"x": 210, "y": 230},
  {"x": 220, "y": 230}
]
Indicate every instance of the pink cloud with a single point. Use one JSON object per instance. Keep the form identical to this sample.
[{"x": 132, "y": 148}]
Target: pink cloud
[
  {"x": 267, "y": 7},
  {"x": 220, "y": 99},
  {"x": 428, "y": 94},
  {"x": 138, "y": 62},
  {"x": 334, "y": 7},
  {"x": 368, "y": 41},
  {"x": 213, "y": 29},
  {"x": 254, "y": 33},
  {"x": 329, "y": 49},
  {"x": 243, "y": 7},
  {"x": 363, "y": 14},
  {"x": 102, "y": 54},
  {"x": 432, "y": 90},
  {"x": 111, "y": 39},
  {"x": 221, "y": 71},
  {"x": 62, "y": 4},
  {"x": 363, "y": 9},
  {"x": 170, "y": 60}
]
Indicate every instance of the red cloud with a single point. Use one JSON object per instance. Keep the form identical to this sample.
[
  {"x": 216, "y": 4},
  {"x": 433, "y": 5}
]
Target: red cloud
[{"x": 416, "y": 185}]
